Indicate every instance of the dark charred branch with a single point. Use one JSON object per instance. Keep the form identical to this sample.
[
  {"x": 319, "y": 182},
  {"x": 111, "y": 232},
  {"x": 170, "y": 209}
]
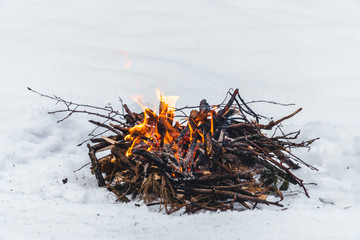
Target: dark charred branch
[
  {"x": 119, "y": 154},
  {"x": 214, "y": 178},
  {"x": 107, "y": 127},
  {"x": 96, "y": 167},
  {"x": 182, "y": 134},
  {"x": 222, "y": 112},
  {"x": 247, "y": 107},
  {"x": 101, "y": 145},
  {"x": 232, "y": 194},
  {"x": 156, "y": 161},
  {"x": 132, "y": 116},
  {"x": 125, "y": 130}
]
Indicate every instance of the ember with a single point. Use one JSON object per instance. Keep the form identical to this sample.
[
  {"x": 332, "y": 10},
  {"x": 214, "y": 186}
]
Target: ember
[{"x": 219, "y": 159}]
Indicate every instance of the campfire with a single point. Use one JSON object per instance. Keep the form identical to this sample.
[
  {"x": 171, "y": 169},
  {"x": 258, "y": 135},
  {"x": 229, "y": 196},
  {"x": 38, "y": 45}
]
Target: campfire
[{"x": 208, "y": 157}]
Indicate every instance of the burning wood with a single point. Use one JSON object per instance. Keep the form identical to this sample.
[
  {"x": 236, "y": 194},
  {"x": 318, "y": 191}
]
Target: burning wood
[{"x": 220, "y": 159}]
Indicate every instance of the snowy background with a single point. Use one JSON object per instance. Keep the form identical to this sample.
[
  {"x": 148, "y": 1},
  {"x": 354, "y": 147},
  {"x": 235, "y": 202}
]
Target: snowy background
[{"x": 90, "y": 51}]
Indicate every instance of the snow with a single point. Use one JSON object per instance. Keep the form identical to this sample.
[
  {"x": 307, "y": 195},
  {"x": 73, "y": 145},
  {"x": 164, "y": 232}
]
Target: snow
[{"x": 300, "y": 51}]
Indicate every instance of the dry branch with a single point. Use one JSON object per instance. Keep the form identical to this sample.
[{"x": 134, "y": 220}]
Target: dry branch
[{"x": 220, "y": 157}]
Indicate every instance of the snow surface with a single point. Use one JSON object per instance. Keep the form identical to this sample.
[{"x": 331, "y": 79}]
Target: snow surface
[{"x": 90, "y": 51}]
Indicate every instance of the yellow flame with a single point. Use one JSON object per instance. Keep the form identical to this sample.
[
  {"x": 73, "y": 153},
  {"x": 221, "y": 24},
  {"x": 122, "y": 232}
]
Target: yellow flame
[
  {"x": 211, "y": 123},
  {"x": 202, "y": 136},
  {"x": 169, "y": 100},
  {"x": 191, "y": 132},
  {"x": 147, "y": 132},
  {"x": 138, "y": 99},
  {"x": 128, "y": 152}
]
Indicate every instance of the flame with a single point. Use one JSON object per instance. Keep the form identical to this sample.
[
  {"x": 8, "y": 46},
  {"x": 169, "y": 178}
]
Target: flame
[
  {"x": 191, "y": 132},
  {"x": 167, "y": 106},
  {"x": 160, "y": 130},
  {"x": 202, "y": 136},
  {"x": 211, "y": 122},
  {"x": 155, "y": 130},
  {"x": 138, "y": 99},
  {"x": 169, "y": 100}
]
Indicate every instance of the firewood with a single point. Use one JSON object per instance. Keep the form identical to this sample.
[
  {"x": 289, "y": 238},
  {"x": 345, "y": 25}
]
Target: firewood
[
  {"x": 132, "y": 119},
  {"x": 219, "y": 157}
]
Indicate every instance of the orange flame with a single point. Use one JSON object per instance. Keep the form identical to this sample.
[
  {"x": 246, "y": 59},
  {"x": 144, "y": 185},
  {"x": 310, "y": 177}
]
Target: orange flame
[
  {"x": 211, "y": 123},
  {"x": 138, "y": 99},
  {"x": 158, "y": 131},
  {"x": 155, "y": 130}
]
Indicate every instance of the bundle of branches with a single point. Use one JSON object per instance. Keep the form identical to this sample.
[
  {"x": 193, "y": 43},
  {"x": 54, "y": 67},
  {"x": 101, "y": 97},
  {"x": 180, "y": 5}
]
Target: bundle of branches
[{"x": 219, "y": 158}]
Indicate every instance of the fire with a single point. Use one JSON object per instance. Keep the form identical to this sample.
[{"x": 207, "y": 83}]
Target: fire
[
  {"x": 160, "y": 131},
  {"x": 155, "y": 130}
]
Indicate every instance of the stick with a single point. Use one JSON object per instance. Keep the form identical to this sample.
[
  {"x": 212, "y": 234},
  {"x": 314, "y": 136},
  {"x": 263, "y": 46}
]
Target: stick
[
  {"x": 156, "y": 161},
  {"x": 272, "y": 123},
  {"x": 233, "y": 194},
  {"x": 95, "y": 164},
  {"x": 221, "y": 113},
  {"x": 107, "y": 127},
  {"x": 130, "y": 113}
]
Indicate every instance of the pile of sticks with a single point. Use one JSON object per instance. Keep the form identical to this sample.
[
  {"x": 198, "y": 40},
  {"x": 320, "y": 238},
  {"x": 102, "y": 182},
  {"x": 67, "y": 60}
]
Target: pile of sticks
[{"x": 220, "y": 158}]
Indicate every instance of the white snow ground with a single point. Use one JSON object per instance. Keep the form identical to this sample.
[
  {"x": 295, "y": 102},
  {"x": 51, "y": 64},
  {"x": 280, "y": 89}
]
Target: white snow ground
[{"x": 90, "y": 51}]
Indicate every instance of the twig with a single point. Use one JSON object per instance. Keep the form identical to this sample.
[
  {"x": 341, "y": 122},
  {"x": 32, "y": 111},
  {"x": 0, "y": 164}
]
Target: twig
[{"x": 87, "y": 164}]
